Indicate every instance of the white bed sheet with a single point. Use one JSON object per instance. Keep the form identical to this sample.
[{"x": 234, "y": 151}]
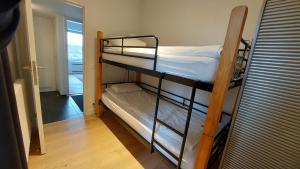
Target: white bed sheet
[
  {"x": 137, "y": 110},
  {"x": 192, "y": 62}
]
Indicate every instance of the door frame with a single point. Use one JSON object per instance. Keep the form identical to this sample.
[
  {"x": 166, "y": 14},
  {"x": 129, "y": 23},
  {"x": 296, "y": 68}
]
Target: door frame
[
  {"x": 28, "y": 10},
  {"x": 84, "y": 52},
  {"x": 34, "y": 75}
]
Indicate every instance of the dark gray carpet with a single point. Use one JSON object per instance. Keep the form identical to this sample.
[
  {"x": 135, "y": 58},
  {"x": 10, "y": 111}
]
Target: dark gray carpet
[{"x": 56, "y": 107}]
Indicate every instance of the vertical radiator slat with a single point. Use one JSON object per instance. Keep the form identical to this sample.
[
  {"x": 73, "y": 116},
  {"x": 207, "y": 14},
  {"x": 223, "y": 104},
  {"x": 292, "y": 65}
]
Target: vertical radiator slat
[{"x": 265, "y": 132}]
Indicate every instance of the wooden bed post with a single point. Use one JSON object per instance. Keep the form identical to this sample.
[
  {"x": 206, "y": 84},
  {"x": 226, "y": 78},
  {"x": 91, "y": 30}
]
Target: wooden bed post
[
  {"x": 223, "y": 77},
  {"x": 137, "y": 77},
  {"x": 98, "y": 106}
]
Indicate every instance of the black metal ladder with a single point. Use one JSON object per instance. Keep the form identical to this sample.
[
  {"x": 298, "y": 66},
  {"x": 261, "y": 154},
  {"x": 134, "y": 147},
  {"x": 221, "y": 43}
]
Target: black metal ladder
[{"x": 183, "y": 135}]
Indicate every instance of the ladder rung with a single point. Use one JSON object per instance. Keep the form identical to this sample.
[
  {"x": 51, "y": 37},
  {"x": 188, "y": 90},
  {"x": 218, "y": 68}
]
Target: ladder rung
[
  {"x": 172, "y": 101},
  {"x": 170, "y": 127},
  {"x": 165, "y": 149}
]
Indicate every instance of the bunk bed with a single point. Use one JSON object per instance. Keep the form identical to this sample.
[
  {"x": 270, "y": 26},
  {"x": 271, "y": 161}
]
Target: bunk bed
[{"x": 171, "y": 123}]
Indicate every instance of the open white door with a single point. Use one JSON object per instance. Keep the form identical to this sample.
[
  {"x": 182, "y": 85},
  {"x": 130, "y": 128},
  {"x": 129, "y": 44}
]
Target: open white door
[{"x": 26, "y": 52}]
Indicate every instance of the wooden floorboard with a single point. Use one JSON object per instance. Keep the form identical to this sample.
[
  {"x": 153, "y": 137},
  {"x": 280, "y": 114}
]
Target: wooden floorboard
[
  {"x": 94, "y": 143},
  {"x": 82, "y": 144}
]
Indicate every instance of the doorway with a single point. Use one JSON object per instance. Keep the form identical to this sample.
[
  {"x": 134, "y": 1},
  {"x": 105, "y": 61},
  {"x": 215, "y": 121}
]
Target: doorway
[
  {"x": 75, "y": 60},
  {"x": 58, "y": 30}
]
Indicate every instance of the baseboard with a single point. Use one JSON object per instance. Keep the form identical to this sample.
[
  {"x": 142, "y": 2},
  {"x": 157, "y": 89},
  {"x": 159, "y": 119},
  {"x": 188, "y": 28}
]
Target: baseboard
[{"x": 89, "y": 110}]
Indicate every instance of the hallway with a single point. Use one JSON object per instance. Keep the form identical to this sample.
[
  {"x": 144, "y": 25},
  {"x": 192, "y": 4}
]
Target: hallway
[{"x": 56, "y": 107}]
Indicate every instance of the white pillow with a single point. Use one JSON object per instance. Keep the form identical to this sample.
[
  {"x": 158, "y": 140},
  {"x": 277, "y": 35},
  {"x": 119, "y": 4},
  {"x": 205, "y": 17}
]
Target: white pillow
[
  {"x": 125, "y": 88},
  {"x": 128, "y": 42}
]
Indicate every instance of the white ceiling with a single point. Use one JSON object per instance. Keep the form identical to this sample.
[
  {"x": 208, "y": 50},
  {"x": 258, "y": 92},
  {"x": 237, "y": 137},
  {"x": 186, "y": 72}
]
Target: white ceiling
[{"x": 57, "y": 7}]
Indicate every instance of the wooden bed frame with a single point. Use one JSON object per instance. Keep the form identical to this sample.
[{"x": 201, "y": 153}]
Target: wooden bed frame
[{"x": 221, "y": 84}]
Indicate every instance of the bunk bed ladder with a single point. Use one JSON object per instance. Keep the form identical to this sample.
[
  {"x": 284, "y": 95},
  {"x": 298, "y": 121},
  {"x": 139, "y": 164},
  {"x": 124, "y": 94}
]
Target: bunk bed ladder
[{"x": 183, "y": 135}]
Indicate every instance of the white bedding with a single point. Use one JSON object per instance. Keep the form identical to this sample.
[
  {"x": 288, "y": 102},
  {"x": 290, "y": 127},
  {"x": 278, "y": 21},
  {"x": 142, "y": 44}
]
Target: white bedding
[
  {"x": 137, "y": 110},
  {"x": 192, "y": 62}
]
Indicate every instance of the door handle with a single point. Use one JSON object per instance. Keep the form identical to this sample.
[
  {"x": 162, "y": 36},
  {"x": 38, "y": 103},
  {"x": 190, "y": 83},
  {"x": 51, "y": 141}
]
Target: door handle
[
  {"x": 42, "y": 67},
  {"x": 35, "y": 76},
  {"x": 27, "y": 68},
  {"x": 33, "y": 68},
  {"x": 39, "y": 67}
]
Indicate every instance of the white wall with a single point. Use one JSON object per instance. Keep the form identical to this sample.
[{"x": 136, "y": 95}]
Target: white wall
[
  {"x": 176, "y": 22},
  {"x": 194, "y": 22},
  {"x": 113, "y": 17},
  {"x": 46, "y": 51},
  {"x": 62, "y": 59}
]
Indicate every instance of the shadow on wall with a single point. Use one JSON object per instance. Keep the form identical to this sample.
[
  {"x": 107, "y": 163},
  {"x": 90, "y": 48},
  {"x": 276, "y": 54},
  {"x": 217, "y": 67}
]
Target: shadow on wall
[{"x": 194, "y": 22}]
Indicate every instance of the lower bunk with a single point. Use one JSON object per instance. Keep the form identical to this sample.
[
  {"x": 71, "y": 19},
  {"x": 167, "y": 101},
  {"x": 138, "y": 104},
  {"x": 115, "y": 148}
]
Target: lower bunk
[{"x": 136, "y": 107}]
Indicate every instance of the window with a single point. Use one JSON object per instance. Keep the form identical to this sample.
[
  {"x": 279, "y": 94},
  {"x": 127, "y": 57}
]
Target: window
[
  {"x": 75, "y": 41},
  {"x": 74, "y": 46}
]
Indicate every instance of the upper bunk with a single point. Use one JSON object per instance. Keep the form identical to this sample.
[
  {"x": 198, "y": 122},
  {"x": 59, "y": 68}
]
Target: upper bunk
[{"x": 193, "y": 66}]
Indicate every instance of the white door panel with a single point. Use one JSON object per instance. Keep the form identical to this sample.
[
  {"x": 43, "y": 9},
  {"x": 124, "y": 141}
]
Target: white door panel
[
  {"x": 26, "y": 54},
  {"x": 45, "y": 51}
]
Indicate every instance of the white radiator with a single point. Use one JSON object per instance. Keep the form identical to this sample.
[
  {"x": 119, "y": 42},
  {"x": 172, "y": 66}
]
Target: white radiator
[{"x": 24, "y": 116}]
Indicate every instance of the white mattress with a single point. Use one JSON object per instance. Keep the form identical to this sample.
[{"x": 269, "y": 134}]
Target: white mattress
[
  {"x": 198, "y": 63},
  {"x": 137, "y": 110}
]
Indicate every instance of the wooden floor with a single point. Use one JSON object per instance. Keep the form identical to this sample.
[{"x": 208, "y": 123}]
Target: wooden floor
[
  {"x": 92, "y": 143},
  {"x": 82, "y": 144}
]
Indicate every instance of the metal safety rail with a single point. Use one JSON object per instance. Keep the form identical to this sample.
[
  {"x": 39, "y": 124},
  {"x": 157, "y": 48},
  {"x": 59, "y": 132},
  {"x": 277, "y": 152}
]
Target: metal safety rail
[
  {"x": 105, "y": 42},
  {"x": 236, "y": 79}
]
